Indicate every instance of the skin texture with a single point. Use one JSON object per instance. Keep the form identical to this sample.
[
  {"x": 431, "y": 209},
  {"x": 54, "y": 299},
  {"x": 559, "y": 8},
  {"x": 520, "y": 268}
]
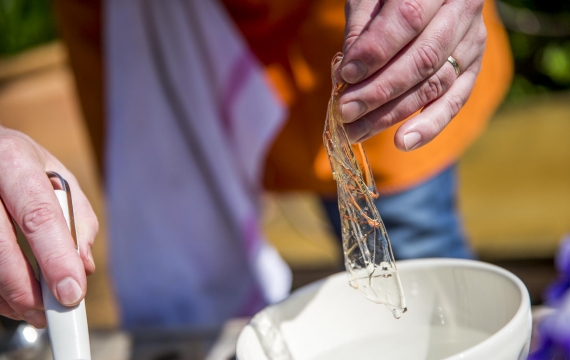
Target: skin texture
[
  {"x": 396, "y": 60},
  {"x": 28, "y": 198}
]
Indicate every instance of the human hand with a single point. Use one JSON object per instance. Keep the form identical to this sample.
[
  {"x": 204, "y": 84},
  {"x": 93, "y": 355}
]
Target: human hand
[
  {"x": 28, "y": 197},
  {"x": 395, "y": 55}
]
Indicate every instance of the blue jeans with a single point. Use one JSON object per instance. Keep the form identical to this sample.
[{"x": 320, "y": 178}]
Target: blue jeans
[{"x": 422, "y": 221}]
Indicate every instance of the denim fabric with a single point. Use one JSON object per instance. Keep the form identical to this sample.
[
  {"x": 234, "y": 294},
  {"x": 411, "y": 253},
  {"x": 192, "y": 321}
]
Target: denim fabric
[{"x": 422, "y": 221}]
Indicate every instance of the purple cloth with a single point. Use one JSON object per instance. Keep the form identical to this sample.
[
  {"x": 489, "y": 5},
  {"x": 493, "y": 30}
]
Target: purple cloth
[{"x": 190, "y": 119}]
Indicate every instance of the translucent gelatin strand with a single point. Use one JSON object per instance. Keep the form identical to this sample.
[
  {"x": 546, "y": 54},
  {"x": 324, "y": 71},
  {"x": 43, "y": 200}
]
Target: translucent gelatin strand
[{"x": 367, "y": 251}]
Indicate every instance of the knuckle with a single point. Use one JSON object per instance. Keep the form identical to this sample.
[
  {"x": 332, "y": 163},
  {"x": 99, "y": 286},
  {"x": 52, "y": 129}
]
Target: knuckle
[
  {"x": 348, "y": 41},
  {"x": 427, "y": 59},
  {"x": 435, "y": 86},
  {"x": 5, "y": 253},
  {"x": 56, "y": 260},
  {"x": 454, "y": 103},
  {"x": 385, "y": 122},
  {"x": 413, "y": 14},
  {"x": 476, "y": 67},
  {"x": 390, "y": 119},
  {"x": 351, "y": 34},
  {"x": 369, "y": 50},
  {"x": 377, "y": 53},
  {"x": 352, "y": 31},
  {"x": 481, "y": 38},
  {"x": 381, "y": 93},
  {"x": 382, "y": 52},
  {"x": 431, "y": 90},
  {"x": 439, "y": 124},
  {"x": 10, "y": 147},
  {"x": 18, "y": 297},
  {"x": 38, "y": 215}
]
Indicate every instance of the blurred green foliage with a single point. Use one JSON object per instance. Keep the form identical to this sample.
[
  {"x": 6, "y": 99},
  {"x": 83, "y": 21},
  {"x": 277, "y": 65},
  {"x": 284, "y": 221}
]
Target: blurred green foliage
[
  {"x": 24, "y": 24},
  {"x": 542, "y": 60},
  {"x": 554, "y": 61}
]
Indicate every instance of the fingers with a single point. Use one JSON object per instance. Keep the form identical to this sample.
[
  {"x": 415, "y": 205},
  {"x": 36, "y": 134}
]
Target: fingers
[
  {"x": 40, "y": 217},
  {"x": 423, "y": 127},
  {"x": 417, "y": 62},
  {"x": 30, "y": 199},
  {"x": 375, "y": 39},
  {"x": 358, "y": 14},
  {"x": 468, "y": 53},
  {"x": 402, "y": 107},
  {"x": 20, "y": 296}
]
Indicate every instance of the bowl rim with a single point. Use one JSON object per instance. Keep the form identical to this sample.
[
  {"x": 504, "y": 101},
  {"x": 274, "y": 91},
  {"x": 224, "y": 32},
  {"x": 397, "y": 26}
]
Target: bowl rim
[{"x": 518, "y": 318}]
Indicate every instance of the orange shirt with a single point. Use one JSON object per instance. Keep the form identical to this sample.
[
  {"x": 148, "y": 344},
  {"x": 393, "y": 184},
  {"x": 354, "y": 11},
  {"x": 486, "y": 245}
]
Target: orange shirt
[{"x": 296, "y": 41}]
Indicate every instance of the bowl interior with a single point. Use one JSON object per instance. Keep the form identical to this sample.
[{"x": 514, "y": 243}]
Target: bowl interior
[{"x": 452, "y": 306}]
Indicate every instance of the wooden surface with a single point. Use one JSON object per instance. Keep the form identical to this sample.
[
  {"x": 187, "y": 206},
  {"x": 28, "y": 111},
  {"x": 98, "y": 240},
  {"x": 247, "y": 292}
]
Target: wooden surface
[{"x": 515, "y": 181}]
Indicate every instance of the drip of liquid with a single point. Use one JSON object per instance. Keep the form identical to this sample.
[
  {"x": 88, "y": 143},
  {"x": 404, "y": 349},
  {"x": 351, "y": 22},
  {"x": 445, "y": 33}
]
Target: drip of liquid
[{"x": 367, "y": 251}]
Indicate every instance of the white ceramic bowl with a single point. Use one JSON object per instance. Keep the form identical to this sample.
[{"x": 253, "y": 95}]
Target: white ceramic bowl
[{"x": 457, "y": 309}]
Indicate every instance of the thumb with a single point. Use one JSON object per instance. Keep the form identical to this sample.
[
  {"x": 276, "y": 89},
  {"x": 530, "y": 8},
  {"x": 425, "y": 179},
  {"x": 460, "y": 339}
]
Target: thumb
[{"x": 358, "y": 15}]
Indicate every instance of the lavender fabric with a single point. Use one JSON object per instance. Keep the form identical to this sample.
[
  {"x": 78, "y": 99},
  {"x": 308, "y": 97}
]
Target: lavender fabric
[{"x": 190, "y": 118}]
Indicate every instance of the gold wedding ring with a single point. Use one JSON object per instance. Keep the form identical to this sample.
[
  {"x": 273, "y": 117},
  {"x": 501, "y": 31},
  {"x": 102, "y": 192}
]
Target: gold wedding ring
[{"x": 453, "y": 62}]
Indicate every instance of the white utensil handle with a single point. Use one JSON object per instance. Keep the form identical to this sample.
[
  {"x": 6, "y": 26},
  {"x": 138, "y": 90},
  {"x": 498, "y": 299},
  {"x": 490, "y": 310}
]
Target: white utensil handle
[{"x": 67, "y": 326}]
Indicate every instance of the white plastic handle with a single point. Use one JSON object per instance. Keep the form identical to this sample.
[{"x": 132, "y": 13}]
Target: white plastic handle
[{"x": 67, "y": 326}]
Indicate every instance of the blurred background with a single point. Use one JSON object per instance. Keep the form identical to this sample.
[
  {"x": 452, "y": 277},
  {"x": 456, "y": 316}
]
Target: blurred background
[{"x": 514, "y": 182}]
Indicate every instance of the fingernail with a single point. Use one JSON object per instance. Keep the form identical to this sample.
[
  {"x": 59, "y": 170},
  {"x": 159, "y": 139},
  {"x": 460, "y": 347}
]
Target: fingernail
[
  {"x": 411, "y": 140},
  {"x": 352, "y": 110},
  {"x": 357, "y": 130},
  {"x": 34, "y": 317},
  {"x": 68, "y": 291},
  {"x": 354, "y": 71}
]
